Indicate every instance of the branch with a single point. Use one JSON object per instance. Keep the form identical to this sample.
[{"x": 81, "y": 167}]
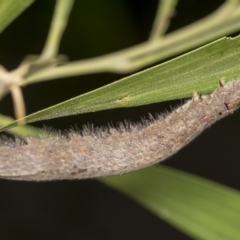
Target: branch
[
  {"x": 223, "y": 21},
  {"x": 58, "y": 25},
  {"x": 165, "y": 11},
  {"x": 103, "y": 153}
]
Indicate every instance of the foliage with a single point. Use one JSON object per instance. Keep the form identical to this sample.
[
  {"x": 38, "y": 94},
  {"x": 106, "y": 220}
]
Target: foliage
[{"x": 199, "y": 70}]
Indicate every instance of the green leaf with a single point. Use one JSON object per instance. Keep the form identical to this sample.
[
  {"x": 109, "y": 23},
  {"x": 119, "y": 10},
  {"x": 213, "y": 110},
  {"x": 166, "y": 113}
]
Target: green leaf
[
  {"x": 200, "y": 70},
  {"x": 199, "y": 207},
  {"x": 10, "y": 9},
  {"x": 21, "y": 131}
]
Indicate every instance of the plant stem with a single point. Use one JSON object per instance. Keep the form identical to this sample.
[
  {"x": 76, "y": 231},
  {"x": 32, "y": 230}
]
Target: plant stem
[
  {"x": 58, "y": 25},
  {"x": 223, "y": 21},
  {"x": 19, "y": 106},
  {"x": 162, "y": 20}
]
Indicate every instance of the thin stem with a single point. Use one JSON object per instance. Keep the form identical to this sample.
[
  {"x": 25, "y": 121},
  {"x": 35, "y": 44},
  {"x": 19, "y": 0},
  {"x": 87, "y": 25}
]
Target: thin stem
[
  {"x": 18, "y": 102},
  {"x": 223, "y": 21},
  {"x": 3, "y": 84},
  {"x": 58, "y": 25},
  {"x": 162, "y": 20}
]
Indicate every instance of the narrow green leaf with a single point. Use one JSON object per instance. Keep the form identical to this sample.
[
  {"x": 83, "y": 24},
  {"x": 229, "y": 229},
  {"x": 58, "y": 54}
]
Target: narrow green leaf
[
  {"x": 10, "y": 9},
  {"x": 200, "y": 70},
  {"x": 21, "y": 131},
  {"x": 199, "y": 207}
]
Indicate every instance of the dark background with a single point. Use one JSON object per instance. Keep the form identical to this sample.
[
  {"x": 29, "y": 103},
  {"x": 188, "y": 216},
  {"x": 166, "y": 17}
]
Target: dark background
[{"x": 88, "y": 209}]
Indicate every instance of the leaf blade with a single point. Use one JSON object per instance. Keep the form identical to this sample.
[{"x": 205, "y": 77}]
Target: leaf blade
[
  {"x": 200, "y": 70},
  {"x": 11, "y": 9},
  {"x": 199, "y": 207},
  {"x": 22, "y": 131}
]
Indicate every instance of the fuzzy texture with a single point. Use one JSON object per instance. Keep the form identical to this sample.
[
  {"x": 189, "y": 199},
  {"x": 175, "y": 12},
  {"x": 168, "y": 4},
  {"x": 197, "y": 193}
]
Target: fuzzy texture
[{"x": 111, "y": 152}]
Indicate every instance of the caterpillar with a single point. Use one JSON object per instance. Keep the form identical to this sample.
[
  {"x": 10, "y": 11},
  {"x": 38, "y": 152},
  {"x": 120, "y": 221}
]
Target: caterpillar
[{"x": 108, "y": 152}]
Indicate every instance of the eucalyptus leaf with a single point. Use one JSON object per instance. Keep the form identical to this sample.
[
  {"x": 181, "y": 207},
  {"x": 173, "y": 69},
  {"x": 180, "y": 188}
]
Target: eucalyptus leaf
[
  {"x": 199, "y": 70},
  {"x": 10, "y": 9},
  {"x": 21, "y": 131},
  {"x": 198, "y": 207}
]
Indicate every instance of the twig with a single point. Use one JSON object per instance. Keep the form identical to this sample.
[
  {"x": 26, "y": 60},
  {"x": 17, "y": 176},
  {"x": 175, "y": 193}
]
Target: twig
[
  {"x": 223, "y": 21},
  {"x": 162, "y": 20},
  {"x": 11, "y": 81},
  {"x": 18, "y": 102},
  {"x": 58, "y": 25}
]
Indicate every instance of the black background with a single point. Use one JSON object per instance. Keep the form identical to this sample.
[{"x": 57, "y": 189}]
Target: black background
[{"x": 88, "y": 209}]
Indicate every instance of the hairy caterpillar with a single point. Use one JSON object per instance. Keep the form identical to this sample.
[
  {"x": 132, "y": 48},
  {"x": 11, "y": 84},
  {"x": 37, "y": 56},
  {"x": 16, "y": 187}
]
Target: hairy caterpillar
[{"x": 96, "y": 154}]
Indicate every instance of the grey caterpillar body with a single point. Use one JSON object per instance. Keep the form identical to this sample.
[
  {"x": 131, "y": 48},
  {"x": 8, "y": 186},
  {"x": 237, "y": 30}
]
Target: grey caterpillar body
[{"x": 114, "y": 151}]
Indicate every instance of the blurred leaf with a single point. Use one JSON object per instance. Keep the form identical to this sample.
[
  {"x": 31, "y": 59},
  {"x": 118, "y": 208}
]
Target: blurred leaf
[
  {"x": 200, "y": 70},
  {"x": 10, "y": 9},
  {"x": 198, "y": 207},
  {"x": 22, "y": 131}
]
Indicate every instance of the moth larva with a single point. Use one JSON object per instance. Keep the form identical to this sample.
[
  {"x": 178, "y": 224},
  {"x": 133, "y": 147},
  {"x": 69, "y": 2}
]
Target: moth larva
[{"x": 113, "y": 152}]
